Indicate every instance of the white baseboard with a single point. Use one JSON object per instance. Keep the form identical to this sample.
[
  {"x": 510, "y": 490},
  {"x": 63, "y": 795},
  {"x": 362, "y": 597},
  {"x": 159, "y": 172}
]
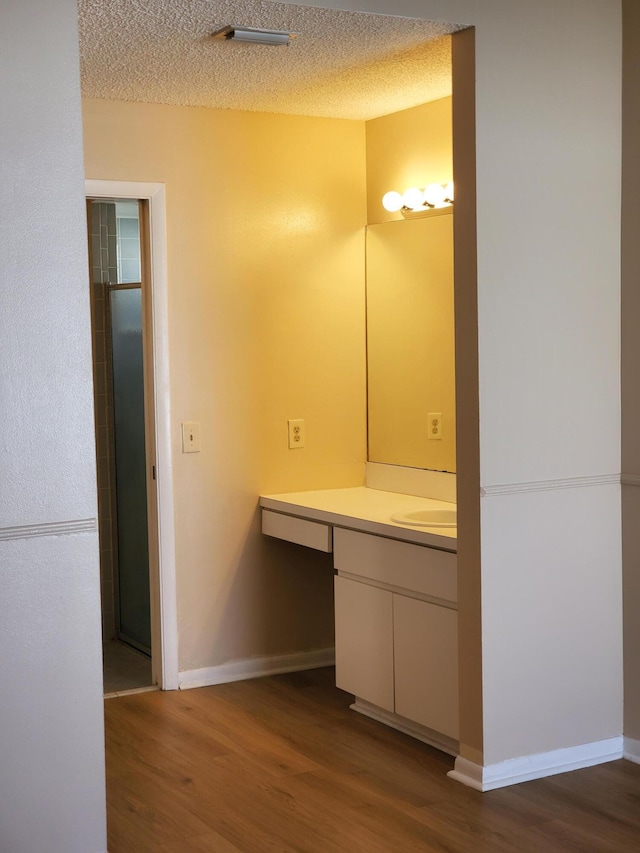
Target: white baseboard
[
  {"x": 632, "y": 750},
  {"x": 530, "y": 767},
  {"x": 240, "y": 670},
  {"x": 407, "y": 727}
]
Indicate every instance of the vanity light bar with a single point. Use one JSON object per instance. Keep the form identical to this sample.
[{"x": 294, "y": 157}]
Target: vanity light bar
[
  {"x": 254, "y": 36},
  {"x": 414, "y": 201}
]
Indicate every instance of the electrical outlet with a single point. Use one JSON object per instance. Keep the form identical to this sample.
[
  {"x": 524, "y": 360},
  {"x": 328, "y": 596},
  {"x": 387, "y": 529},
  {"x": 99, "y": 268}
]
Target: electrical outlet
[
  {"x": 296, "y": 434},
  {"x": 190, "y": 436},
  {"x": 434, "y": 419}
]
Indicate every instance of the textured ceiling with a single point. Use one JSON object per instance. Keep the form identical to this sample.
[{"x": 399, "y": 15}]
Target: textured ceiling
[{"x": 342, "y": 65}]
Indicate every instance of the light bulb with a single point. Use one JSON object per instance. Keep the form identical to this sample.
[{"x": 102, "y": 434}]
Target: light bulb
[
  {"x": 413, "y": 198},
  {"x": 434, "y": 195},
  {"x": 392, "y": 201},
  {"x": 448, "y": 191}
]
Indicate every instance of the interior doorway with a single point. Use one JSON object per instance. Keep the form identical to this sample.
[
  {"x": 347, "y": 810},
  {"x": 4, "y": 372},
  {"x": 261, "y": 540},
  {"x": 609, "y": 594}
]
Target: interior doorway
[
  {"x": 119, "y": 290},
  {"x": 150, "y": 199}
]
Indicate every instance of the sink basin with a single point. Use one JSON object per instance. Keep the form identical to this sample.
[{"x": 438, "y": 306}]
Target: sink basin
[{"x": 427, "y": 517}]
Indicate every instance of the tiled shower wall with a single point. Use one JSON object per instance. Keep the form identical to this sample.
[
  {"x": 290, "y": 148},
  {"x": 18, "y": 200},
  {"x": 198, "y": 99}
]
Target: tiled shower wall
[{"x": 104, "y": 269}]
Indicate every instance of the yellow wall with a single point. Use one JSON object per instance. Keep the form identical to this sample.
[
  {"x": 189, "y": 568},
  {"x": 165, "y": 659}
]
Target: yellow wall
[
  {"x": 410, "y": 342},
  {"x": 265, "y": 232},
  {"x": 411, "y": 148},
  {"x": 265, "y": 219},
  {"x": 410, "y": 284}
]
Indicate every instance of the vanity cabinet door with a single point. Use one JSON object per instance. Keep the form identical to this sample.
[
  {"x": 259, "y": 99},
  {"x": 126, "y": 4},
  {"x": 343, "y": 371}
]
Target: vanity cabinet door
[
  {"x": 426, "y": 664},
  {"x": 364, "y": 641}
]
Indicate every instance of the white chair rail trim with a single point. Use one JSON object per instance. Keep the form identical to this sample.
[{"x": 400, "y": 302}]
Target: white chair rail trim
[
  {"x": 53, "y": 528},
  {"x": 552, "y": 485}
]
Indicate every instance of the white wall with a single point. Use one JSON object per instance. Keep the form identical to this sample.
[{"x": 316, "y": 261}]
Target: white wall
[
  {"x": 52, "y": 766},
  {"x": 548, "y": 78}
]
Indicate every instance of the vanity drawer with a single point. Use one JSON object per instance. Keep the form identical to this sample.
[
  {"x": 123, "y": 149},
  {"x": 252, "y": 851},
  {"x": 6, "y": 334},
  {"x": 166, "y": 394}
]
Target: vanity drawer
[
  {"x": 400, "y": 564},
  {"x": 311, "y": 534}
]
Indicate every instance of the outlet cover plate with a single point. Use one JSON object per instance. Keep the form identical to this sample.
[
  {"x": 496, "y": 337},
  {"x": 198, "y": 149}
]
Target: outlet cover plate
[
  {"x": 296, "y": 433},
  {"x": 434, "y": 419}
]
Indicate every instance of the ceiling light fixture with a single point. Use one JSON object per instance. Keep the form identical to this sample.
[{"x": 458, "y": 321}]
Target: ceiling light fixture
[
  {"x": 414, "y": 202},
  {"x": 254, "y": 36}
]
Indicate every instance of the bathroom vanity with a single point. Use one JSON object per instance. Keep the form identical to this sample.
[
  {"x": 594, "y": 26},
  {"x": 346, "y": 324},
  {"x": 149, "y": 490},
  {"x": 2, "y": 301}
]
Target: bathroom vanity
[
  {"x": 396, "y": 632},
  {"x": 395, "y": 601}
]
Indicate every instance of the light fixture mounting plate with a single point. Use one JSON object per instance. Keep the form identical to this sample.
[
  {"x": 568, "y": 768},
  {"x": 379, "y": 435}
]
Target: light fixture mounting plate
[
  {"x": 423, "y": 213},
  {"x": 252, "y": 35}
]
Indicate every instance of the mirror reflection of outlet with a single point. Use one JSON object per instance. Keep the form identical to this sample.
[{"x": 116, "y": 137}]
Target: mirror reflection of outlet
[
  {"x": 434, "y": 419},
  {"x": 296, "y": 434},
  {"x": 190, "y": 436}
]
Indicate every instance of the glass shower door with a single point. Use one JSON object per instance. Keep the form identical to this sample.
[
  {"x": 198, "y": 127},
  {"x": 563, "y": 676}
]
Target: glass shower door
[{"x": 125, "y": 310}]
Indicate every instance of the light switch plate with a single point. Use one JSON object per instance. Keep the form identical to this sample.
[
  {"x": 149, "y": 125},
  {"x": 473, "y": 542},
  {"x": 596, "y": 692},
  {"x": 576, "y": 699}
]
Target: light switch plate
[{"x": 190, "y": 436}]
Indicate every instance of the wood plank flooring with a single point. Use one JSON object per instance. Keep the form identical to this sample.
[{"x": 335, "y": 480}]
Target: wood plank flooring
[{"x": 282, "y": 764}]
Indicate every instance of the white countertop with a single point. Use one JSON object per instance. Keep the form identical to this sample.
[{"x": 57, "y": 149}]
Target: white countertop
[{"x": 367, "y": 510}]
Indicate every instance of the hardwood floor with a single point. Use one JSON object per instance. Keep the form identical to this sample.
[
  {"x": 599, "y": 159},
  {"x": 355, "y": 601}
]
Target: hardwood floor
[{"x": 281, "y": 764}]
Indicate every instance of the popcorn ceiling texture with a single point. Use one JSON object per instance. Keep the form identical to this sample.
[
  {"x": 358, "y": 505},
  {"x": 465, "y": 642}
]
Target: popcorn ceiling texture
[{"x": 343, "y": 64}]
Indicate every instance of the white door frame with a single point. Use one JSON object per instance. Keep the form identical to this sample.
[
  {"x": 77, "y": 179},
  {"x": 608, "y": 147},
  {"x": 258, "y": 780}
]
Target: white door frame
[{"x": 164, "y": 635}]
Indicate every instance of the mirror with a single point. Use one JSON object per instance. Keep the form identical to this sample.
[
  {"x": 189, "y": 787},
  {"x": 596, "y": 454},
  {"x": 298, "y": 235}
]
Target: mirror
[{"x": 410, "y": 342}]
